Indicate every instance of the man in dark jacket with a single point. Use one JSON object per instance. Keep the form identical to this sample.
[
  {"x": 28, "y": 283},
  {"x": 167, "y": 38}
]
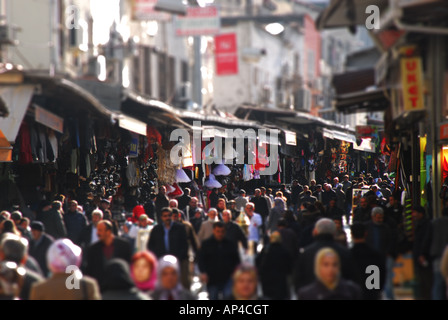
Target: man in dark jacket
[
  {"x": 39, "y": 245},
  {"x": 328, "y": 194},
  {"x": 108, "y": 247},
  {"x": 233, "y": 230},
  {"x": 218, "y": 258},
  {"x": 161, "y": 202},
  {"x": 364, "y": 256},
  {"x": 381, "y": 238},
  {"x": 296, "y": 190},
  {"x": 324, "y": 233},
  {"x": 362, "y": 212},
  {"x": 53, "y": 220},
  {"x": 75, "y": 222},
  {"x": 261, "y": 207},
  {"x": 421, "y": 253},
  {"x": 169, "y": 237}
]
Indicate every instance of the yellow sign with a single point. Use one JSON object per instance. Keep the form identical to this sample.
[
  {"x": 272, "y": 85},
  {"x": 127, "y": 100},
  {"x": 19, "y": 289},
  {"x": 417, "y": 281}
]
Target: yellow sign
[{"x": 412, "y": 83}]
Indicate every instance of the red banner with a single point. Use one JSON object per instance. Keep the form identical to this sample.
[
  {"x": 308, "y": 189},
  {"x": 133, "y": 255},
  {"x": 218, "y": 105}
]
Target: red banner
[{"x": 226, "y": 54}]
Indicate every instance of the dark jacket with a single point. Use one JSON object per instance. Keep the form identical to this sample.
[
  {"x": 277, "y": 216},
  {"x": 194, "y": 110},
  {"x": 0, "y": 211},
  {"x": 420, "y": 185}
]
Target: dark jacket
[
  {"x": 75, "y": 222},
  {"x": 261, "y": 206},
  {"x": 85, "y": 237},
  {"x": 30, "y": 278},
  {"x": 381, "y": 238},
  {"x": 178, "y": 243},
  {"x": 160, "y": 203},
  {"x": 422, "y": 239},
  {"x": 274, "y": 264},
  {"x": 38, "y": 250},
  {"x": 95, "y": 262},
  {"x": 235, "y": 233},
  {"x": 53, "y": 222},
  {"x": 327, "y": 196},
  {"x": 218, "y": 259},
  {"x": 362, "y": 215},
  {"x": 345, "y": 290},
  {"x": 364, "y": 256},
  {"x": 304, "y": 270},
  {"x": 118, "y": 284},
  {"x": 439, "y": 240}
]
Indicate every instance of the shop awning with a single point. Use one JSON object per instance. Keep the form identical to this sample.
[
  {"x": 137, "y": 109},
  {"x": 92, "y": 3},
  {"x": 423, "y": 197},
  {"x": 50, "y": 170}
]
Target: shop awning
[
  {"x": 151, "y": 110},
  {"x": 339, "y": 135},
  {"x": 132, "y": 124},
  {"x": 5, "y": 149}
]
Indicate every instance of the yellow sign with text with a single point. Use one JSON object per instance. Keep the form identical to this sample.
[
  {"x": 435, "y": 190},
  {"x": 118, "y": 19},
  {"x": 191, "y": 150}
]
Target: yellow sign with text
[{"x": 412, "y": 83}]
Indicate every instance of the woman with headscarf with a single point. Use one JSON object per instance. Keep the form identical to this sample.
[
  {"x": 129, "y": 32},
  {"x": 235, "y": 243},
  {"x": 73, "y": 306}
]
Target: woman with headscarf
[
  {"x": 144, "y": 271},
  {"x": 63, "y": 256},
  {"x": 118, "y": 284},
  {"x": 276, "y": 214},
  {"x": 328, "y": 284},
  {"x": 168, "y": 285}
]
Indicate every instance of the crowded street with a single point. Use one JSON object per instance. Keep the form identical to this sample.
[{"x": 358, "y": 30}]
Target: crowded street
[{"x": 215, "y": 150}]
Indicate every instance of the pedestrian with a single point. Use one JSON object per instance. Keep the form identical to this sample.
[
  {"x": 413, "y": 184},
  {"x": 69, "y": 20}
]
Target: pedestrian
[
  {"x": 241, "y": 200},
  {"x": 196, "y": 220},
  {"x": 324, "y": 233},
  {"x": 150, "y": 207},
  {"x": 332, "y": 211},
  {"x": 170, "y": 238},
  {"x": 364, "y": 256},
  {"x": 232, "y": 207},
  {"x": 328, "y": 194},
  {"x": 161, "y": 202},
  {"x": 184, "y": 199},
  {"x": 330, "y": 283},
  {"x": 296, "y": 190},
  {"x": 220, "y": 207},
  {"x": 14, "y": 248},
  {"x": 362, "y": 213},
  {"x": 421, "y": 253},
  {"x": 89, "y": 233},
  {"x": 381, "y": 238},
  {"x": 144, "y": 271},
  {"x": 53, "y": 220},
  {"x": 39, "y": 245},
  {"x": 233, "y": 231},
  {"x": 118, "y": 284},
  {"x": 276, "y": 214},
  {"x": 255, "y": 225},
  {"x": 107, "y": 247},
  {"x": 75, "y": 222},
  {"x": 206, "y": 229},
  {"x": 439, "y": 231},
  {"x": 341, "y": 235},
  {"x": 262, "y": 207},
  {"x": 217, "y": 259},
  {"x": 213, "y": 198},
  {"x": 274, "y": 266},
  {"x": 168, "y": 285},
  {"x": 245, "y": 283},
  {"x": 288, "y": 240},
  {"x": 141, "y": 232},
  {"x": 63, "y": 253},
  {"x": 191, "y": 208},
  {"x": 193, "y": 247},
  {"x": 11, "y": 280}
]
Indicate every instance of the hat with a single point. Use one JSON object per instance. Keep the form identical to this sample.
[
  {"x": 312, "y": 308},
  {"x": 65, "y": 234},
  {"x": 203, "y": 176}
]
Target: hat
[
  {"x": 37, "y": 225},
  {"x": 243, "y": 191},
  {"x": 319, "y": 186},
  {"x": 105, "y": 200},
  {"x": 63, "y": 253}
]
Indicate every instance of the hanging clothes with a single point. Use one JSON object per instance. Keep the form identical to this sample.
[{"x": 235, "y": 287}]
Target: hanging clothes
[
  {"x": 43, "y": 144},
  {"x": 53, "y": 143},
  {"x": 25, "y": 151}
]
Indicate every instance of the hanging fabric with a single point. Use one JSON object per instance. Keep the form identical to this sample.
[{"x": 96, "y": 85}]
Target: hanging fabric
[{"x": 25, "y": 151}]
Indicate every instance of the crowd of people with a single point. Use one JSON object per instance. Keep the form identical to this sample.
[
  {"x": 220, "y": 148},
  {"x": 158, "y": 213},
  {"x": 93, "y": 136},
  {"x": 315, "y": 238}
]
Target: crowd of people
[{"x": 277, "y": 244}]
